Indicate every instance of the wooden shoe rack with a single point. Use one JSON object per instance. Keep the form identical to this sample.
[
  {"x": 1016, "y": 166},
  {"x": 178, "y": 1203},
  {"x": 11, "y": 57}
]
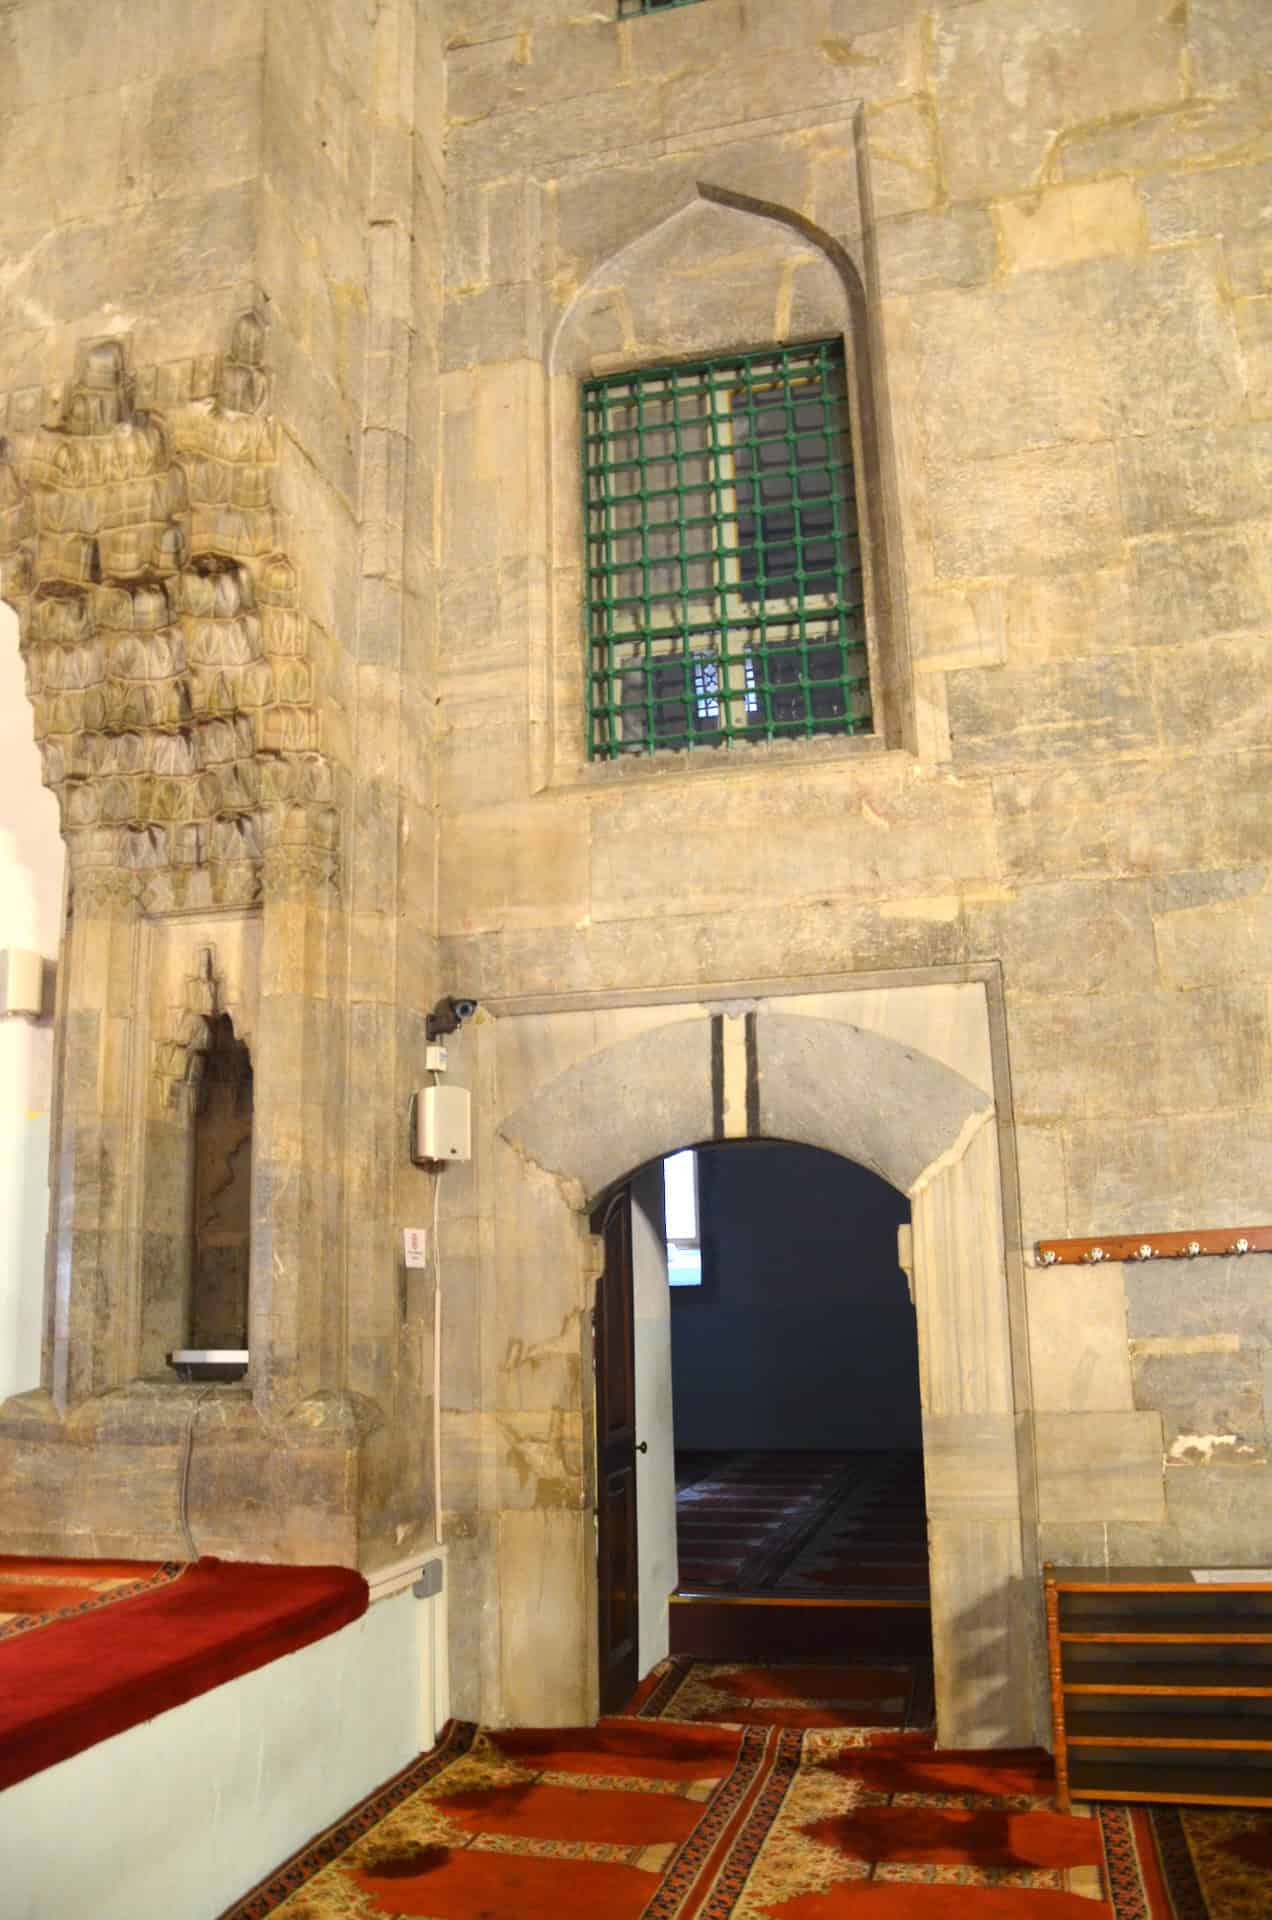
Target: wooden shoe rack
[{"x": 1161, "y": 1684}]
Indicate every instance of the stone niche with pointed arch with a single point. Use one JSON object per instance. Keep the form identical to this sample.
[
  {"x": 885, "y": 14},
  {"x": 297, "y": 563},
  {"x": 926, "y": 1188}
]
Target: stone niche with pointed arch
[
  {"x": 196, "y": 1247},
  {"x": 718, "y": 272}
]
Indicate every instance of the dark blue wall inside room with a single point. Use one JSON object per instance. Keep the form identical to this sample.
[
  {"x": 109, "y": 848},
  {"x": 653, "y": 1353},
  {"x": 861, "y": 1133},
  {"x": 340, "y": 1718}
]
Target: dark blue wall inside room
[{"x": 807, "y": 1337}]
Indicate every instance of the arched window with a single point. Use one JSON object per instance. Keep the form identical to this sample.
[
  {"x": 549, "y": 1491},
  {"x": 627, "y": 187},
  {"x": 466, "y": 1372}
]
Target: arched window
[{"x": 719, "y": 497}]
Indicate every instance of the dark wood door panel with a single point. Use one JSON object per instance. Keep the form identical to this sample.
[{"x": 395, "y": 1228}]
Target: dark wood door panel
[{"x": 617, "y": 1596}]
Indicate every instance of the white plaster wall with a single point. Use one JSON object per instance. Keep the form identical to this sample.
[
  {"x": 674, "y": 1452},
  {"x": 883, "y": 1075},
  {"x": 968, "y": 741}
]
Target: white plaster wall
[
  {"x": 179, "y": 1816},
  {"x": 657, "y": 1569},
  {"x": 31, "y": 864}
]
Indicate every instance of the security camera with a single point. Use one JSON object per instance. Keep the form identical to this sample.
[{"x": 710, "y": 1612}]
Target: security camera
[{"x": 449, "y": 1015}]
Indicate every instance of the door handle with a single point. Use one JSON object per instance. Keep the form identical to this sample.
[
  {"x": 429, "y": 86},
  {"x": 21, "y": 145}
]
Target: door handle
[{"x": 642, "y": 1446}]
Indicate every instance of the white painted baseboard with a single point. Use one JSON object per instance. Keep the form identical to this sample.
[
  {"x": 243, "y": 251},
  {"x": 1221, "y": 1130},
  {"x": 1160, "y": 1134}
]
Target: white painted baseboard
[{"x": 179, "y": 1816}]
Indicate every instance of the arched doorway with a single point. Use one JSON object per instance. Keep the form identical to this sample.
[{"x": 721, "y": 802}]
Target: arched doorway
[
  {"x": 904, "y": 1075},
  {"x": 759, "y": 1481}
]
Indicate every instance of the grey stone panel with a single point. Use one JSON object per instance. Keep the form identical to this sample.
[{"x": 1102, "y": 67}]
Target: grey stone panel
[
  {"x": 1222, "y": 1512},
  {"x": 1178, "y": 892},
  {"x": 1104, "y": 1463},
  {"x": 1074, "y": 1543},
  {"x": 1077, "y": 1340},
  {"x": 970, "y": 1466},
  {"x": 1204, "y": 1296},
  {"x": 1202, "y": 477},
  {"x": 1111, "y": 1166},
  {"x": 620, "y": 1107},
  {"x": 1087, "y": 61},
  {"x": 1196, "y": 133},
  {"x": 828, "y": 1084},
  {"x": 977, "y": 1640},
  {"x": 1211, "y": 1403},
  {"x": 1231, "y": 44},
  {"x": 1020, "y": 715},
  {"x": 1206, "y": 584},
  {"x": 921, "y": 250}
]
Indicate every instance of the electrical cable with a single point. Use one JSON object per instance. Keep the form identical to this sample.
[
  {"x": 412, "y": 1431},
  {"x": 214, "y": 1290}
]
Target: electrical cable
[{"x": 183, "y": 1510}]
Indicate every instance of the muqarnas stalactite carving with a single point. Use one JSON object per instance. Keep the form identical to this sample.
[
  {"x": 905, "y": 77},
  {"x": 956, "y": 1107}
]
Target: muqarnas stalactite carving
[{"x": 168, "y": 659}]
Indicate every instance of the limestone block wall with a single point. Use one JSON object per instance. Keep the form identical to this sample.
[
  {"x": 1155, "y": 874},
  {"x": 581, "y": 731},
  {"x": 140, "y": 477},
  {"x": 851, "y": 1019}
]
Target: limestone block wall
[{"x": 1056, "y": 215}]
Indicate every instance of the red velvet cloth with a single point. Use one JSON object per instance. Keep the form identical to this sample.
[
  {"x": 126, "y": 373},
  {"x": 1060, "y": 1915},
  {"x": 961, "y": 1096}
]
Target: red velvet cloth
[{"x": 76, "y": 1682}]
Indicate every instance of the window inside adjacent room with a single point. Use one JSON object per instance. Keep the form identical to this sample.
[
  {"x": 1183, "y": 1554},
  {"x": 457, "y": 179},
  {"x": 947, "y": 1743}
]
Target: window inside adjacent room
[{"x": 684, "y": 1227}]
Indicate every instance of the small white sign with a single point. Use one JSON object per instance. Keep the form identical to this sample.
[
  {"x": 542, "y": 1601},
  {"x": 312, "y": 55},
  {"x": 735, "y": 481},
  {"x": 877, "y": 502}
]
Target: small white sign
[
  {"x": 415, "y": 1246},
  {"x": 1249, "y": 1576}
]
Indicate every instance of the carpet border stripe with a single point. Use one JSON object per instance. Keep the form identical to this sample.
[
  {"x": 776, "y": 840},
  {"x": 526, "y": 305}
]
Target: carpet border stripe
[
  {"x": 166, "y": 1574},
  {"x": 728, "y": 1882},
  {"x": 672, "y": 1899},
  {"x": 1149, "y": 1869}
]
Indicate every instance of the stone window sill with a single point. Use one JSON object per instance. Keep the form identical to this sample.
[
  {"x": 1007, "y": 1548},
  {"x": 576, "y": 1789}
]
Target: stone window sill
[{"x": 760, "y": 756}]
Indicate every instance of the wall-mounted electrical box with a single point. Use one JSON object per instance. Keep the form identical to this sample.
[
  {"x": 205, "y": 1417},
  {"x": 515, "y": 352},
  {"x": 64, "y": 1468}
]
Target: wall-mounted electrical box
[
  {"x": 21, "y": 982},
  {"x": 443, "y": 1124}
]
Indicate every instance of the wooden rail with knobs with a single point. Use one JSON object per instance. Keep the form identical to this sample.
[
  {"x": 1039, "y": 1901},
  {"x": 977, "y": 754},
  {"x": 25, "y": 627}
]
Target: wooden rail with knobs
[{"x": 1216, "y": 1242}]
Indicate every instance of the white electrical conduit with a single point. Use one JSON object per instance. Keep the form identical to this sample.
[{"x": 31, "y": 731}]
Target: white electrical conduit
[{"x": 437, "y": 1361}]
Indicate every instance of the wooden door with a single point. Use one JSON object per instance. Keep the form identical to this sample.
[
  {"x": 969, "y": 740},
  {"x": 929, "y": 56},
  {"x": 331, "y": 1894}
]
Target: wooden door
[{"x": 614, "y": 1335}]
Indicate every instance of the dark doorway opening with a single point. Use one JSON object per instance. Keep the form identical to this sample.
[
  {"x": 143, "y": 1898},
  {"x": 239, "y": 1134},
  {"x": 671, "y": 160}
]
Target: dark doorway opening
[
  {"x": 800, "y": 1524},
  {"x": 801, "y": 1518}
]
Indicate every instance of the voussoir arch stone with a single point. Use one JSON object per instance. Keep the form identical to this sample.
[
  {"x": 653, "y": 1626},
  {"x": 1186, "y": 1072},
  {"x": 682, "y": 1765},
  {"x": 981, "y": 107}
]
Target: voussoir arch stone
[
  {"x": 887, "y": 1106},
  {"x": 821, "y": 1083},
  {"x": 619, "y": 1107}
]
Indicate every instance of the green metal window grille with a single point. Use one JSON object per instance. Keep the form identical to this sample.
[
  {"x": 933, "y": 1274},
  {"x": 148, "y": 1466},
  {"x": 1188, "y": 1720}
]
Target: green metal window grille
[
  {"x": 724, "y": 595},
  {"x": 628, "y": 8}
]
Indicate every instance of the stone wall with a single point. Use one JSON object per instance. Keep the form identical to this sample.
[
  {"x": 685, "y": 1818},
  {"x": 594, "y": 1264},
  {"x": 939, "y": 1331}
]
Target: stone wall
[
  {"x": 215, "y": 279},
  {"x": 1047, "y": 226}
]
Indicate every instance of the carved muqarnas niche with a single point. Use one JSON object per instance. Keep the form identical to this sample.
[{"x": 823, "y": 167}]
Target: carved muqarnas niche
[
  {"x": 182, "y": 1062},
  {"x": 168, "y": 659}
]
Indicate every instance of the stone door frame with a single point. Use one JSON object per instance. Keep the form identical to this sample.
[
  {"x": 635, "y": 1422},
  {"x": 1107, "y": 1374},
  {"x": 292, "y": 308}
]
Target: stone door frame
[{"x": 776, "y": 1059}]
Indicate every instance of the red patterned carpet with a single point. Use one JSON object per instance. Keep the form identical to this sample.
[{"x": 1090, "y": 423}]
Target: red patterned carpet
[
  {"x": 798, "y": 1806},
  {"x": 638, "y": 1821}
]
